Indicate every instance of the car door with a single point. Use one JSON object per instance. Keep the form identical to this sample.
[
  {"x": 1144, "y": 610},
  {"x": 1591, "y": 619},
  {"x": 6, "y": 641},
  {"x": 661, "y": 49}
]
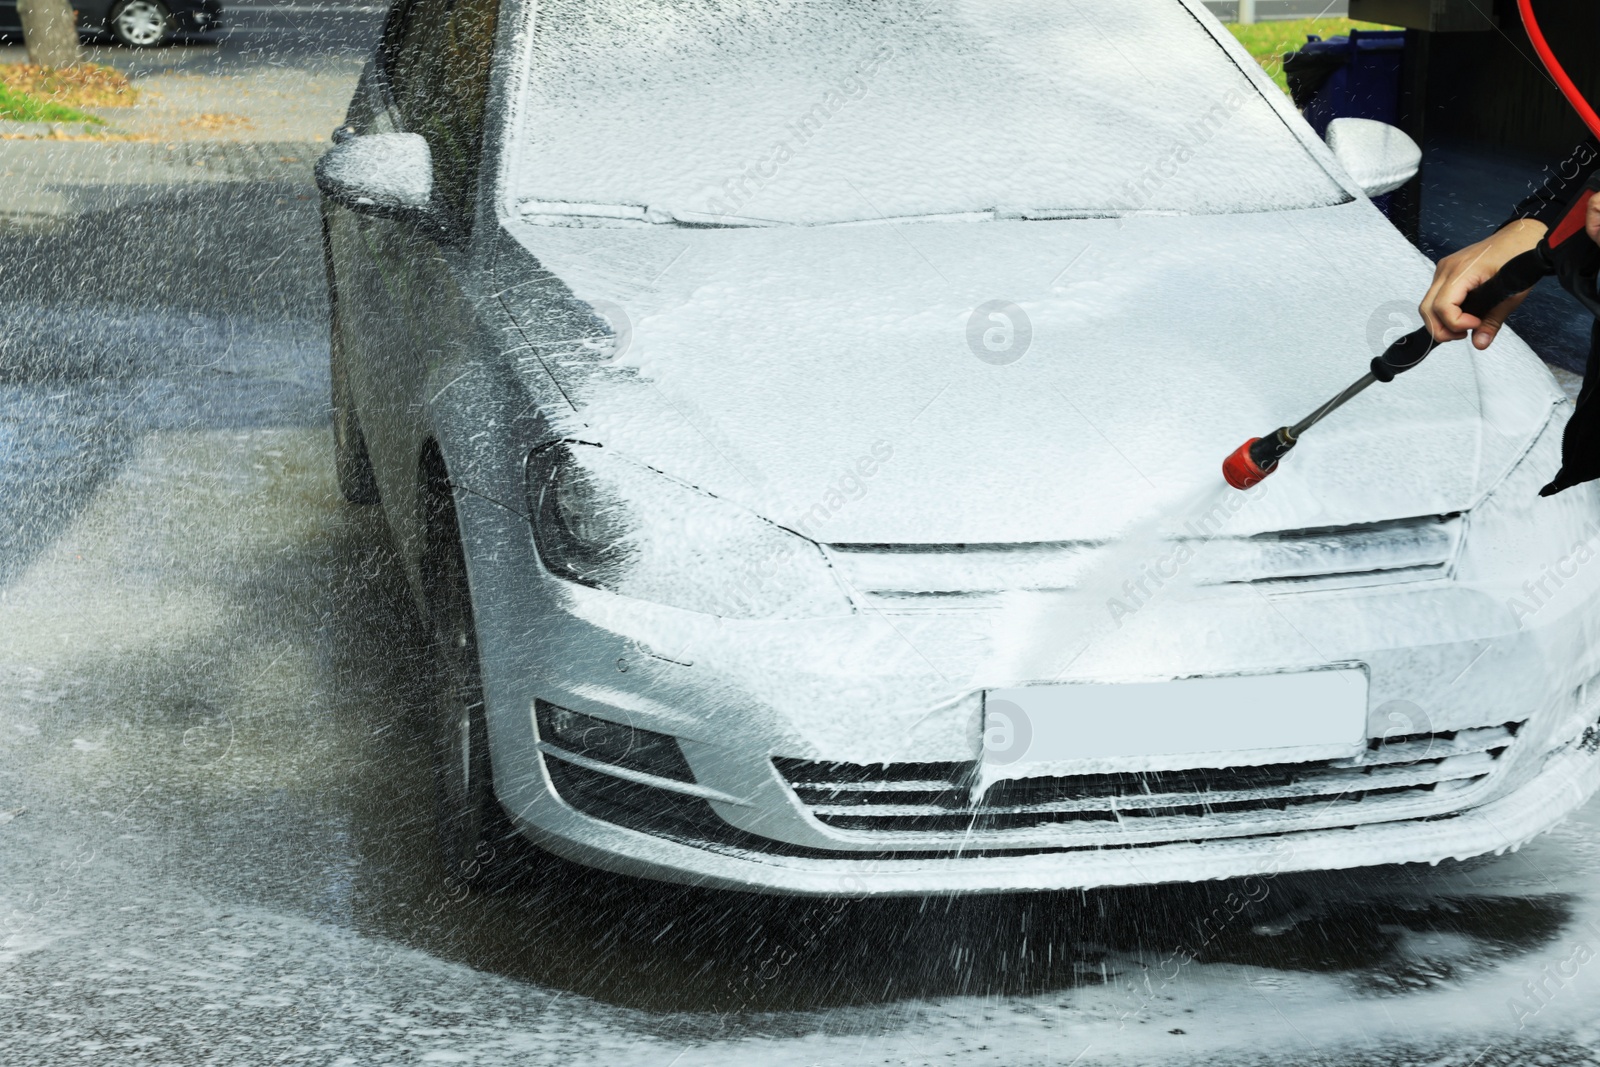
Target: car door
[
  {"x": 415, "y": 312},
  {"x": 362, "y": 283}
]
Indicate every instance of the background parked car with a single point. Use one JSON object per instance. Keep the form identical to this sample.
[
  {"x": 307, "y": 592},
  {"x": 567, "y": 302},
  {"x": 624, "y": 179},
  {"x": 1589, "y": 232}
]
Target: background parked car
[{"x": 135, "y": 23}]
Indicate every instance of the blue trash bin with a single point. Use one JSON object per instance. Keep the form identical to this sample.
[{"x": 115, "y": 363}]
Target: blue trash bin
[{"x": 1348, "y": 77}]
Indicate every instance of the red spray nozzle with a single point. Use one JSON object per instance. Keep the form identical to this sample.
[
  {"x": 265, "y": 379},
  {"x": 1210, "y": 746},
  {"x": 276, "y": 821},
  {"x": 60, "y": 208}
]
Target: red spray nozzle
[
  {"x": 1258, "y": 457},
  {"x": 1240, "y": 470}
]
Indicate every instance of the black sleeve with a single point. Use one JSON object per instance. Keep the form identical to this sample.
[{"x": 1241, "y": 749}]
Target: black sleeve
[{"x": 1559, "y": 184}]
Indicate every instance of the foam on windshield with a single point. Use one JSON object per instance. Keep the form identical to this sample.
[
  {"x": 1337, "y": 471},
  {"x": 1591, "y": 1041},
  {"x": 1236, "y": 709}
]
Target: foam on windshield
[{"x": 835, "y": 111}]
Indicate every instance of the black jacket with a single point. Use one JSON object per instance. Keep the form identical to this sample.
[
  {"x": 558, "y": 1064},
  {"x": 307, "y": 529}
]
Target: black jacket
[{"x": 1578, "y": 263}]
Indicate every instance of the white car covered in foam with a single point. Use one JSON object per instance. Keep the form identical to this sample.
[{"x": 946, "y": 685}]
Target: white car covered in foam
[{"x": 801, "y": 424}]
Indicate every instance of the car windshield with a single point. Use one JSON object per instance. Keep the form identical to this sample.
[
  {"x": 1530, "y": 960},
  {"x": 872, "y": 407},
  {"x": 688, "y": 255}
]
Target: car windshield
[{"x": 752, "y": 112}]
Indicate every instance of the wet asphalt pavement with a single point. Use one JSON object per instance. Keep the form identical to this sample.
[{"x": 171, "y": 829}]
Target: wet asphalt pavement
[{"x": 215, "y": 821}]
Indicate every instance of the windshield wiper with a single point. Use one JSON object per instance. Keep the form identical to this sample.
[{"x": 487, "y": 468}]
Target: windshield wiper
[
  {"x": 1046, "y": 214},
  {"x": 661, "y": 216},
  {"x": 654, "y": 216}
]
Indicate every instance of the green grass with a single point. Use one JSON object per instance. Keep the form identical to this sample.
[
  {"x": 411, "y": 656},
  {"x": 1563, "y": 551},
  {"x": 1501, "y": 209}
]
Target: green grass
[
  {"x": 24, "y": 107},
  {"x": 1268, "y": 41}
]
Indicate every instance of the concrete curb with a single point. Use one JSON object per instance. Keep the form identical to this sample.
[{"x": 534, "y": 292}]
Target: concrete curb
[
  {"x": 9, "y": 128},
  {"x": 49, "y": 182},
  {"x": 53, "y": 163}
]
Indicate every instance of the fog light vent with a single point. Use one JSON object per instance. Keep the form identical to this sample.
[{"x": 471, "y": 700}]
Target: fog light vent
[{"x": 613, "y": 743}]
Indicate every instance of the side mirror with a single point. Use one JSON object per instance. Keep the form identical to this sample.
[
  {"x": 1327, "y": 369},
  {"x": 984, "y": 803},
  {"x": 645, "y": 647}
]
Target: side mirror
[
  {"x": 389, "y": 175},
  {"x": 1379, "y": 157}
]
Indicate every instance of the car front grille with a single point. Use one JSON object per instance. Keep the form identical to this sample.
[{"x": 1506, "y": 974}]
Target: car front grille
[
  {"x": 943, "y": 578},
  {"x": 903, "y": 811},
  {"x": 1420, "y": 775}
]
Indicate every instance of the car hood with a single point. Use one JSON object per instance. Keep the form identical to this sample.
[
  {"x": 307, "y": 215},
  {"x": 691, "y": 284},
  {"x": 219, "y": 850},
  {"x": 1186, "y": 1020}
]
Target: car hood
[{"x": 961, "y": 381}]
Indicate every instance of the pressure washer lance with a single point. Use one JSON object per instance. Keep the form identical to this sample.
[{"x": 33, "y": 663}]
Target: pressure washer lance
[
  {"x": 1558, "y": 253},
  {"x": 1259, "y": 456}
]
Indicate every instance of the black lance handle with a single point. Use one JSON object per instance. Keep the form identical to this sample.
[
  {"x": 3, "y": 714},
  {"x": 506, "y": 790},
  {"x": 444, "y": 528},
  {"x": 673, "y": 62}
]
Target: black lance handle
[{"x": 1519, "y": 275}]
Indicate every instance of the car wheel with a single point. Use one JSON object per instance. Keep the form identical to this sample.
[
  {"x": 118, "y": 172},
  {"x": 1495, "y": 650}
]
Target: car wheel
[
  {"x": 351, "y": 462},
  {"x": 141, "y": 23},
  {"x": 480, "y": 847}
]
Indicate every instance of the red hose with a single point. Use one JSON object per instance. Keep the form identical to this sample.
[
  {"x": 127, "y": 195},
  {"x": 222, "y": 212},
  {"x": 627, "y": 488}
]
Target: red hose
[{"x": 1557, "y": 72}]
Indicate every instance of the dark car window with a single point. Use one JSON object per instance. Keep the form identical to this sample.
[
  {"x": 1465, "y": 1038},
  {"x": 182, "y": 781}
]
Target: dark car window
[
  {"x": 395, "y": 24},
  {"x": 438, "y": 66}
]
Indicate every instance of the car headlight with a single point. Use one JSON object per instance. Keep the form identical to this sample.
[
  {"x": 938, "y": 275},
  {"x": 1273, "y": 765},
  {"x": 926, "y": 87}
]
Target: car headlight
[{"x": 607, "y": 522}]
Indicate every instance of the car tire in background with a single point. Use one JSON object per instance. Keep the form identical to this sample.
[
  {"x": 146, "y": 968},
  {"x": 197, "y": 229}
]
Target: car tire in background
[
  {"x": 140, "y": 23},
  {"x": 480, "y": 848}
]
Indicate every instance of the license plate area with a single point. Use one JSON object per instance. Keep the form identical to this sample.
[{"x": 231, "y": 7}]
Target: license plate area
[{"x": 1221, "y": 721}]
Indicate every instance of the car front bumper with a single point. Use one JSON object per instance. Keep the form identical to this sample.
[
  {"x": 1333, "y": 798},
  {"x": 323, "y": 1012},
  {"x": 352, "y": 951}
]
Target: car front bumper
[
  {"x": 745, "y": 700},
  {"x": 1567, "y": 779},
  {"x": 1500, "y": 708}
]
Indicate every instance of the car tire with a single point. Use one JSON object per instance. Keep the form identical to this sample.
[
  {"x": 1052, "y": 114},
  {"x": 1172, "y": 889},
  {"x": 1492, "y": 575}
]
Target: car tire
[
  {"x": 480, "y": 848},
  {"x": 141, "y": 23},
  {"x": 352, "y": 463}
]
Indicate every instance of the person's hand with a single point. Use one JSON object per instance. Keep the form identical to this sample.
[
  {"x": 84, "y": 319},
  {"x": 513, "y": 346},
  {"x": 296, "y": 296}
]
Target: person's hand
[{"x": 1459, "y": 274}]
